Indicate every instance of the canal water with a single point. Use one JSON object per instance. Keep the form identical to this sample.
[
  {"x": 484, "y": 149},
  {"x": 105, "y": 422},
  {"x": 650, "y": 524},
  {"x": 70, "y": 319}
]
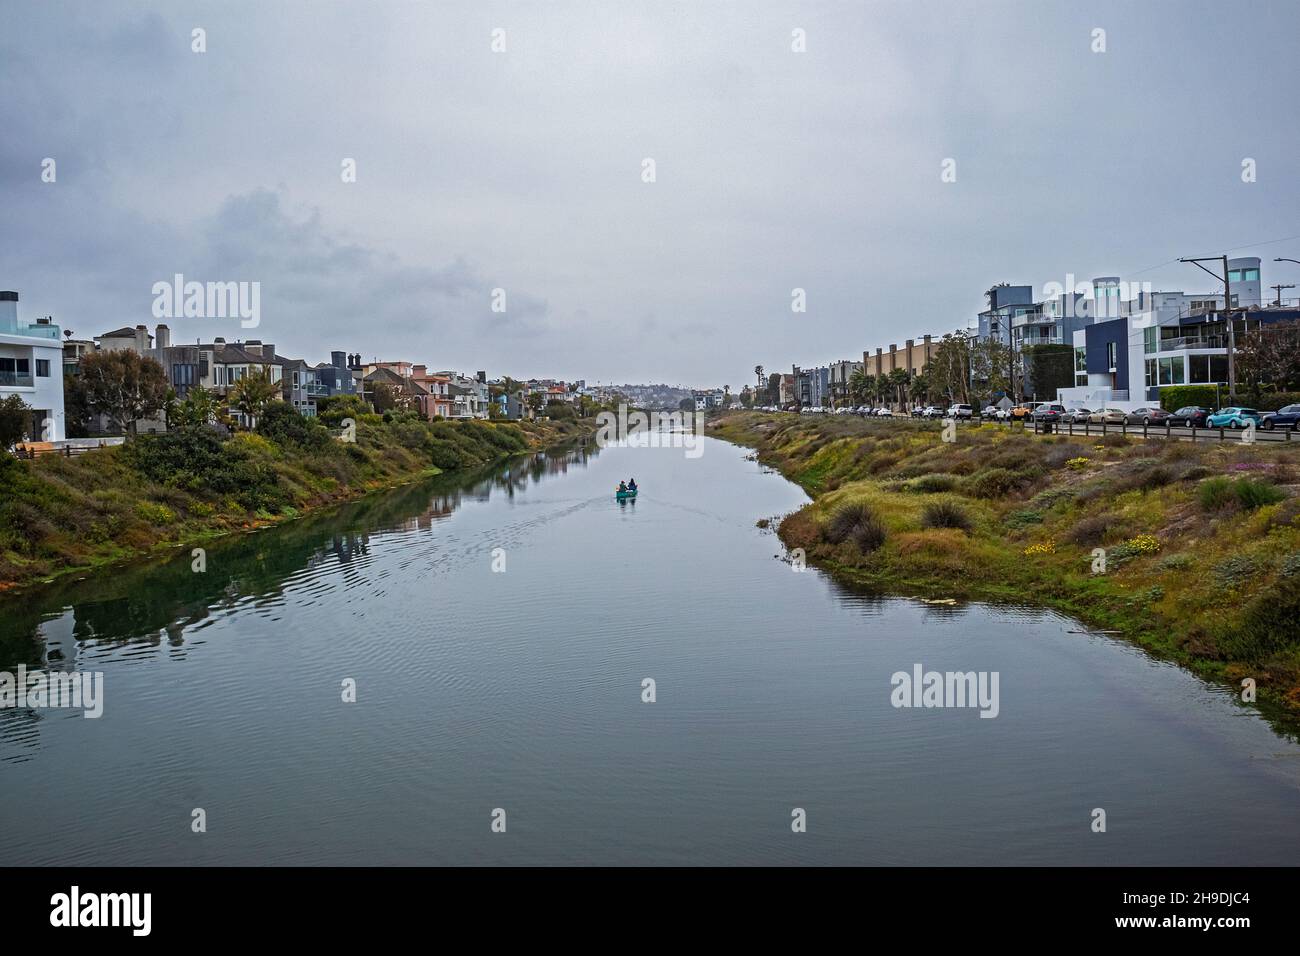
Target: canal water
[{"x": 500, "y": 628}]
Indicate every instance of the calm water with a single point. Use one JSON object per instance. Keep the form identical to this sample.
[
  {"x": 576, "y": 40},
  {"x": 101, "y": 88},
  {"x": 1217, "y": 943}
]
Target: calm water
[{"x": 522, "y": 690}]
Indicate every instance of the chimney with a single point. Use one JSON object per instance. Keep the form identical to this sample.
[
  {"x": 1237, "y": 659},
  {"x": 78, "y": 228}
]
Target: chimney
[
  {"x": 337, "y": 360},
  {"x": 218, "y": 344},
  {"x": 268, "y": 352},
  {"x": 419, "y": 371},
  {"x": 163, "y": 337},
  {"x": 9, "y": 311},
  {"x": 482, "y": 377},
  {"x": 253, "y": 347},
  {"x": 142, "y": 338}
]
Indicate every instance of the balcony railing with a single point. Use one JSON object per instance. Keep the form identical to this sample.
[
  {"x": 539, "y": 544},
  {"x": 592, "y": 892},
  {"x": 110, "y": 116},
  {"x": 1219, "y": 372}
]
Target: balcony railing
[
  {"x": 17, "y": 380},
  {"x": 1194, "y": 342},
  {"x": 317, "y": 388},
  {"x": 32, "y": 331}
]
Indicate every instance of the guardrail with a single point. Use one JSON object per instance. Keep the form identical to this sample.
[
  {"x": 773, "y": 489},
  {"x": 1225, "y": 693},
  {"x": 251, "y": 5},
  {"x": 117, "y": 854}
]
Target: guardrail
[{"x": 1178, "y": 432}]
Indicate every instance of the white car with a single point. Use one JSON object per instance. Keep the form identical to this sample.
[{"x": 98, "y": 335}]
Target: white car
[
  {"x": 884, "y": 413},
  {"x": 961, "y": 411}
]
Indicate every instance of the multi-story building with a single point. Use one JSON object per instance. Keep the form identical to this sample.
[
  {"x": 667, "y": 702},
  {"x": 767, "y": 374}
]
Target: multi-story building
[
  {"x": 31, "y": 367},
  {"x": 840, "y": 374},
  {"x": 912, "y": 358},
  {"x": 812, "y": 386},
  {"x": 1158, "y": 339}
]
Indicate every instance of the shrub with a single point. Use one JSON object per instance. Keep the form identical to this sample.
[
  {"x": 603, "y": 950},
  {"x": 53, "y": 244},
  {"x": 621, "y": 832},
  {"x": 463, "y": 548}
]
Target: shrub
[
  {"x": 1215, "y": 494},
  {"x": 994, "y": 482},
  {"x": 932, "y": 483},
  {"x": 1291, "y": 565},
  {"x": 1267, "y": 626},
  {"x": 1078, "y": 464},
  {"x": 1042, "y": 547},
  {"x": 1088, "y": 532},
  {"x": 1236, "y": 570},
  {"x": 1133, "y": 548},
  {"x": 1174, "y": 397},
  {"x": 1218, "y": 493},
  {"x": 1251, "y": 493},
  {"x": 1175, "y": 562},
  {"x": 945, "y": 514},
  {"x": 856, "y": 523},
  {"x": 155, "y": 513},
  {"x": 1018, "y": 520},
  {"x": 281, "y": 423}
]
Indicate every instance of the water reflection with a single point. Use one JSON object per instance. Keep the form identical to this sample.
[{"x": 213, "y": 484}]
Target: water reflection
[{"x": 156, "y": 602}]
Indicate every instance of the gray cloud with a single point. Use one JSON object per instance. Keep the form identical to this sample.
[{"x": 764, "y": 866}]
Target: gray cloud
[{"x": 522, "y": 170}]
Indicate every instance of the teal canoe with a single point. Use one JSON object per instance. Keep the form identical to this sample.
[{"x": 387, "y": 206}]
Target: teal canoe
[{"x": 624, "y": 495}]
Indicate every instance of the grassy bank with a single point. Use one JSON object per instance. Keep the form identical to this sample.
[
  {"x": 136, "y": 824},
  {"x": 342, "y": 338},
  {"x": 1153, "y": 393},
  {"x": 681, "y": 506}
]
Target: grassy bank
[
  {"x": 65, "y": 514},
  {"x": 1201, "y": 543}
]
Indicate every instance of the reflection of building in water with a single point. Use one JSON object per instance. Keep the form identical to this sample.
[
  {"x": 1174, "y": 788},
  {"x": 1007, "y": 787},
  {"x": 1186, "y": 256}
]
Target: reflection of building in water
[{"x": 348, "y": 546}]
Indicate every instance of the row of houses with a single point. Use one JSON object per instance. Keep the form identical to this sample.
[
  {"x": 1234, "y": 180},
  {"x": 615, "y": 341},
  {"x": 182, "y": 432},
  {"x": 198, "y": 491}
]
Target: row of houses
[
  {"x": 35, "y": 356},
  {"x": 1128, "y": 341}
]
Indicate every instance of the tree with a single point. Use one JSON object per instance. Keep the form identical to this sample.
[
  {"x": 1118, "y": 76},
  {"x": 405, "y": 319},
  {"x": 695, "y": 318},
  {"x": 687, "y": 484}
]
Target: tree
[
  {"x": 535, "y": 401},
  {"x": 774, "y": 389},
  {"x": 991, "y": 367},
  {"x": 746, "y": 397},
  {"x": 15, "y": 420},
  {"x": 199, "y": 407},
  {"x": 76, "y": 409},
  {"x": 860, "y": 385},
  {"x": 382, "y": 397},
  {"x": 124, "y": 387},
  {"x": 950, "y": 367},
  {"x": 1050, "y": 367},
  {"x": 1269, "y": 356},
  {"x": 898, "y": 381},
  {"x": 252, "y": 393}
]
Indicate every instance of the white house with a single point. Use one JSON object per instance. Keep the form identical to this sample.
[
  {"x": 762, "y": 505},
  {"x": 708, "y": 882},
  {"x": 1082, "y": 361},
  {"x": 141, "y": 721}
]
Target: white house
[{"x": 31, "y": 367}]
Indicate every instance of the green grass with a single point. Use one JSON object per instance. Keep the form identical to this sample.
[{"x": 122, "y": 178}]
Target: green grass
[{"x": 1200, "y": 561}]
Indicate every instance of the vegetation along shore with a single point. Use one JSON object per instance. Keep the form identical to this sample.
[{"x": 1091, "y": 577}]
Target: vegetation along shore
[
  {"x": 61, "y": 514},
  {"x": 1190, "y": 550}
]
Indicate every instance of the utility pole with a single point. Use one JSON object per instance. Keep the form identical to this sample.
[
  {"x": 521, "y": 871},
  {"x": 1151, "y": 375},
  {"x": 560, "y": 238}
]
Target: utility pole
[
  {"x": 1227, "y": 308},
  {"x": 1279, "y": 287}
]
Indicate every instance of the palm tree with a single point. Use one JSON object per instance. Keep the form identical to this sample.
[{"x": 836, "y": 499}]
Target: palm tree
[
  {"x": 252, "y": 393},
  {"x": 898, "y": 379},
  {"x": 859, "y": 386}
]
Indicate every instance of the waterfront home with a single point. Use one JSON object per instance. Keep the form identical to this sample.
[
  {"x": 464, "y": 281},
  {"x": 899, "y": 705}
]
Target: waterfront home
[{"x": 31, "y": 367}]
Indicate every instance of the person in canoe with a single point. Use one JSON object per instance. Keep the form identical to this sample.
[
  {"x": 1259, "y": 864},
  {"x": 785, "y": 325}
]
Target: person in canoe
[
  {"x": 622, "y": 487},
  {"x": 631, "y": 484}
]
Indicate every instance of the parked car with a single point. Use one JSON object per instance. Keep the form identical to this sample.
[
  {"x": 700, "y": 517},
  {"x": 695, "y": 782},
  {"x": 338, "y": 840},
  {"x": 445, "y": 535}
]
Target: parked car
[
  {"x": 1107, "y": 416},
  {"x": 1191, "y": 416},
  {"x": 1049, "y": 412},
  {"x": 1076, "y": 416},
  {"x": 883, "y": 413},
  {"x": 961, "y": 411},
  {"x": 918, "y": 412},
  {"x": 1234, "y": 416},
  {"x": 932, "y": 411},
  {"x": 1146, "y": 415},
  {"x": 1002, "y": 414},
  {"x": 1288, "y": 416},
  {"x": 1024, "y": 410}
]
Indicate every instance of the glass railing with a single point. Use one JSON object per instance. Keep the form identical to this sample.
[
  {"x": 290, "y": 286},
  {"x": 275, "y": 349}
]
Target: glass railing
[
  {"x": 1193, "y": 342},
  {"x": 17, "y": 380},
  {"x": 32, "y": 331}
]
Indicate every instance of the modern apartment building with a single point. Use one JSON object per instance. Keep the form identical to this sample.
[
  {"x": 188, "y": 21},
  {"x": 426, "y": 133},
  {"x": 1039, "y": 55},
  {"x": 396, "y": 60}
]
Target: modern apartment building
[
  {"x": 912, "y": 358},
  {"x": 31, "y": 367}
]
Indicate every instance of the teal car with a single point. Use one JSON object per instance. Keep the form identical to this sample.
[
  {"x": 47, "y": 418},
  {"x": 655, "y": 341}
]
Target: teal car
[{"x": 1234, "y": 417}]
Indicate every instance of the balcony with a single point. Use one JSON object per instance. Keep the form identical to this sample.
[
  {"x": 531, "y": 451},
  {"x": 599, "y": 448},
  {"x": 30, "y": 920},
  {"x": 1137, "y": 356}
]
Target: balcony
[
  {"x": 17, "y": 380},
  {"x": 317, "y": 388},
  {"x": 34, "y": 331},
  {"x": 1194, "y": 342}
]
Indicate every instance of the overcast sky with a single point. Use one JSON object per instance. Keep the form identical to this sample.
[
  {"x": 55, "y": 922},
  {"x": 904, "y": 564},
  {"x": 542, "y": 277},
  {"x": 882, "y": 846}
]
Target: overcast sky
[{"x": 523, "y": 170}]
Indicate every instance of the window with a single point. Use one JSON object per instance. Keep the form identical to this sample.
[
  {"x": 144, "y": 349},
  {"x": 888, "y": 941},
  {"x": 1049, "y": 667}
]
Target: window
[
  {"x": 1219, "y": 368},
  {"x": 1151, "y": 379},
  {"x": 295, "y": 380},
  {"x": 1081, "y": 360},
  {"x": 1198, "y": 369},
  {"x": 1110, "y": 355},
  {"x": 1171, "y": 371},
  {"x": 1234, "y": 275},
  {"x": 43, "y": 368},
  {"x": 1250, "y": 275},
  {"x": 1149, "y": 338}
]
